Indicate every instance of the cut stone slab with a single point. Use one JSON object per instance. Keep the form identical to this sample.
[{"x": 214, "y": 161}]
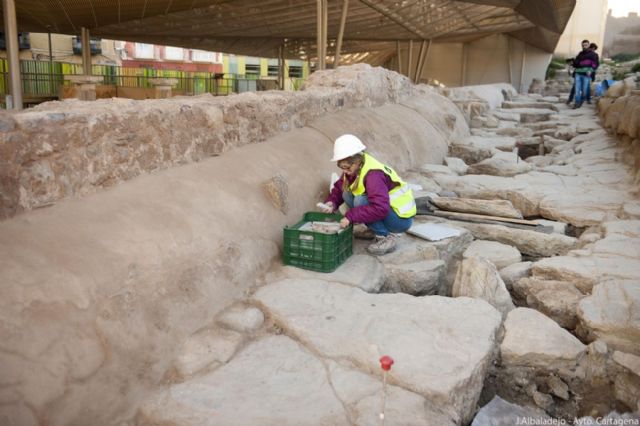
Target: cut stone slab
[
  {"x": 430, "y": 170},
  {"x": 500, "y": 164},
  {"x": 586, "y": 271},
  {"x": 245, "y": 319},
  {"x": 558, "y": 227},
  {"x": 506, "y": 116},
  {"x": 274, "y": 381},
  {"x": 207, "y": 348},
  {"x": 534, "y": 340},
  {"x": 627, "y": 228},
  {"x": 611, "y": 314},
  {"x": 420, "y": 278},
  {"x": 502, "y": 208},
  {"x": 529, "y": 105},
  {"x": 361, "y": 394},
  {"x": 631, "y": 210},
  {"x": 471, "y": 154},
  {"x": 531, "y": 243},
  {"x": 360, "y": 270},
  {"x": 582, "y": 208},
  {"x": 514, "y": 273},
  {"x": 458, "y": 166},
  {"x": 629, "y": 361},
  {"x": 500, "y": 255},
  {"x": 558, "y": 387},
  {"x": 478, "y": 278},
  {"x": 477, "y": 148},
  {"x": 533, "y": 115},
  {"x": 457, "y": 336},
  {"x": 556, "y": 299},
  {"x": 412, "y": 249},
  {"x": 499, "y": 412},
  {"x": 514, "y": 131}
]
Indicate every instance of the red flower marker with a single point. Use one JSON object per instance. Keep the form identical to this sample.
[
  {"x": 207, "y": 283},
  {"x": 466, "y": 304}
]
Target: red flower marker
[{"x": 386, "y": 362}]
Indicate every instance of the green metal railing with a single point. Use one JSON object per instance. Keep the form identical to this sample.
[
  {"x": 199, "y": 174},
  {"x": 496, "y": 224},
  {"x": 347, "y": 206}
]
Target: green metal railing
[{"x": 41, "y": 79}]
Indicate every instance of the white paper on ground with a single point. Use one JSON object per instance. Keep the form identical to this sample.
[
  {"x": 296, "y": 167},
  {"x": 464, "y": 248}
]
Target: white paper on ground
[{"x": 433, "y": 231}]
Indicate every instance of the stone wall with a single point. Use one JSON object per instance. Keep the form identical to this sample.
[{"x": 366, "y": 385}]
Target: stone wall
[
  {"x": 100, "y": 289},
  {"x": 71, "y": 148},
  {"x": 620, "y": 113}
]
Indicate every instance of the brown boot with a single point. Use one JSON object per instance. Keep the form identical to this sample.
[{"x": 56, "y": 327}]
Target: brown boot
[
  {"x": 382, "y": 245},
  {"x": 363, "y": 233}
]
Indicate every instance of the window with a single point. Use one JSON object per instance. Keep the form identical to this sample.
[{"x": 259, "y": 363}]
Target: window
[
  {"x": 295, "y": 71},
  {"x": 202, "y": 56},
  {"x": 272, "y": 71},
  {"x": 144, "y": 51},
  {"x": 253, "y": 70},
  {"x": 173, "y": 53}
]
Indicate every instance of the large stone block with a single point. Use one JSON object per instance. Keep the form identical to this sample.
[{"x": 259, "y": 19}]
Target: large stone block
[{"x": 457, "y": 336}]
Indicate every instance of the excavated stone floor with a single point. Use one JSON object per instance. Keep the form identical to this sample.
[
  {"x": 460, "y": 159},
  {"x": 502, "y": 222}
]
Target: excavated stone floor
[{"x": 497, "y": 323}]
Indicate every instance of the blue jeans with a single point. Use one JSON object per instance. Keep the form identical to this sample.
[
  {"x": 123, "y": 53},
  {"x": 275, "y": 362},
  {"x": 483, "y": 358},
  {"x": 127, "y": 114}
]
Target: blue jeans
[
  {"x": 391, "y": 223},
  {"x": 582, "y": 83}
]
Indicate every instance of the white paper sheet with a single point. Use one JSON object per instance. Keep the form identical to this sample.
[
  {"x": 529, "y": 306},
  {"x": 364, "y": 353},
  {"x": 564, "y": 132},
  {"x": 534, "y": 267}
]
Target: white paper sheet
[{"x": 433, "y": 231}]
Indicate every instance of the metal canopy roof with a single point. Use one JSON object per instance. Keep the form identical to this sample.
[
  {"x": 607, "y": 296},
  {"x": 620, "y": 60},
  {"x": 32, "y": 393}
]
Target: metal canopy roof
[{"x": 258, "y": 28}]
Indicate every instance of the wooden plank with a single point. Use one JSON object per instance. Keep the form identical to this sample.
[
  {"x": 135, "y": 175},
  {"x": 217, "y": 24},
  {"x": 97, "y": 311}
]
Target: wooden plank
[
  {"x": 502, "y": 208},
  {"x": 485, "y": 217}
]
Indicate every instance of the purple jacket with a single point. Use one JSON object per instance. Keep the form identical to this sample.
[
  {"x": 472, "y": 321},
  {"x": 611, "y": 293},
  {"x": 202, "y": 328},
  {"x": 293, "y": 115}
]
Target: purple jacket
[
  {"x": 377, "y": 186},
  {"x": 585, "y": 60}
]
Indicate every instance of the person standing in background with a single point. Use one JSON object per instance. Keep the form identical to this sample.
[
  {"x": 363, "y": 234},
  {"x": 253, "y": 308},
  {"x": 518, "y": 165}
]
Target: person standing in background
[
  {"x": 593, "y": 47},
  {"x": 586, "y": 61}
]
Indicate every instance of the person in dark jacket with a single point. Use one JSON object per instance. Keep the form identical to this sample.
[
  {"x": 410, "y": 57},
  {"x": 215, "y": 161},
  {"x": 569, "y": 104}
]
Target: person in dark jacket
[
  {"x": 585, "y": 63},
  {"x": 593, "y": 47}
]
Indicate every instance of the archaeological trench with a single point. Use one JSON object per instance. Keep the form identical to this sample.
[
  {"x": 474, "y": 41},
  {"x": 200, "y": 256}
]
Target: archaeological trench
[{"x": 141, "y": 280}]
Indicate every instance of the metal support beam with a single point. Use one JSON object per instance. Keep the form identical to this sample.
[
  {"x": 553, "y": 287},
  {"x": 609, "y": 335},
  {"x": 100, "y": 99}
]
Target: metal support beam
[
  {"x": 424, "y": 61},
  {"x": 387, "y": 13},
  {"x": 11, "y": 36},
  {"x": 50, "y": 65},
  {"x": 399, "y": 56},
  {"x": 319, "y": 33},
  {"x": 343, "y": 21},
  {"x": 416, "y": 74},
  {"x": 410, "y": 58},
  {"x": 325, "y": 25},
  {"x": 524, "y": 60},
  {"x": 465, "y": 55},
  {"x": 509, "y": 59},
  {"x": 86, "y": 51},
  {"x": 281, "y": 67}
]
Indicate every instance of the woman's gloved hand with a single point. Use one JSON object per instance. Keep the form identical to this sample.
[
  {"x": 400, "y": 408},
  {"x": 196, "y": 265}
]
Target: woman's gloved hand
[{"x": 326, "y": 207}]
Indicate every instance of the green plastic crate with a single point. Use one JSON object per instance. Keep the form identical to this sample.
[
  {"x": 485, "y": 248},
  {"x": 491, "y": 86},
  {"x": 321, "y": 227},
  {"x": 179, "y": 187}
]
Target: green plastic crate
[{"x": 314, "y": 250}]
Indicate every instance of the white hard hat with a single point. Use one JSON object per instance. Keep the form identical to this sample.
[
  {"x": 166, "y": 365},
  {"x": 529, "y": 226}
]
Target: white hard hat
[{"x": 346, "y": 146}]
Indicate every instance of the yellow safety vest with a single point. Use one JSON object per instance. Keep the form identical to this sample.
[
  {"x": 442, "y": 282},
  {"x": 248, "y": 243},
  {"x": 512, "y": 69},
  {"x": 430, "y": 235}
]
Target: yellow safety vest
[{"x": 400, "y": 197}]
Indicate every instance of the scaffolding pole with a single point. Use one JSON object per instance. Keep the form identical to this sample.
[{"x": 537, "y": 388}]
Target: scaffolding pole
[
  {"x": 423, "y": 46},
  {"x": 465, "y": 55},
  {"x": 399, "y": 57},
  {"x": 325, "y": 24},
  {"x": 343, "y": 21},
  {"x": 319, "y": 33},
  {"x": 410, "y": 59},
  {"x": 524, "y": 60},
  {"x": 86, "y": 51},
  {"x": 424, "y": 60},
  {"x": 50, "y": 65},
  {"x": 11, "y": 34}
]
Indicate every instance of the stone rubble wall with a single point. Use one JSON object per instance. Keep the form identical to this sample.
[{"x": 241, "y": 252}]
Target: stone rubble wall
[
  {"x": 620, "y": 113},
  {"x": 99, "y": 291},
  {"x": 71, "y": 148}
]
